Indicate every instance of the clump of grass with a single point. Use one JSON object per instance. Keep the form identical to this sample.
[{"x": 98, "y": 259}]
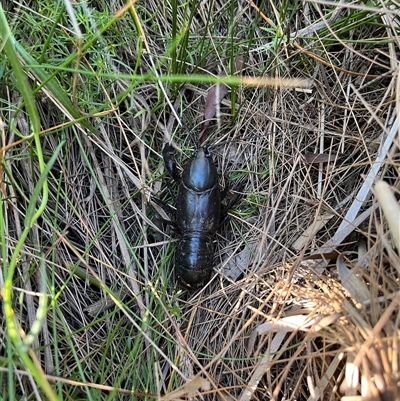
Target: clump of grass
[{"x": 303, "y": 303}]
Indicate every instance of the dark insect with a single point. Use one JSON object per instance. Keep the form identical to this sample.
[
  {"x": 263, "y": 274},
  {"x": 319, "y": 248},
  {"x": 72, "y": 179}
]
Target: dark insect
[{"x": 198, "y": 209}]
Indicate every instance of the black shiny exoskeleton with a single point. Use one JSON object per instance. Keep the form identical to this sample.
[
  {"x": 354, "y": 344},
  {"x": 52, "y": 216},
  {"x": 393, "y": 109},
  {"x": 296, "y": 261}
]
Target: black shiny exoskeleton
[{"x": 198, "y": 209}]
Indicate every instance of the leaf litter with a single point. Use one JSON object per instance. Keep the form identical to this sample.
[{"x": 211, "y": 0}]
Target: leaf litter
[{"x": 278, "y": 327}]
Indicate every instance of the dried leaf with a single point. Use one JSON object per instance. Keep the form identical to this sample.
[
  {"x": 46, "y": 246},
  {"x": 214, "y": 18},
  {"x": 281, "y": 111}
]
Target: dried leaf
[
  {"x": 391, "y": 210},
  {"x": 235, "y": 266},
  {"x": 196, "y": 384},
  {"x": 356, "y": 288},
  {"x": 239, "y": 64},
  {"x": 316, "y": 158},
  {"x": 214, "y": 96},
  {"x": 352, "y": 219},
  {"x": 310, "y": 231},
  {"x": 261, "y": 367},
  {"x": 282, "y": 327},
  {"x": 351, "y": 379},
  {"x": 326, "y": 378},
  {"x": 286, "y": 324}
]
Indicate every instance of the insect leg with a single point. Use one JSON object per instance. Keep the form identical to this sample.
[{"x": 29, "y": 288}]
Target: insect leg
[
  {"x": 168, "y": 153},
  {"x": 233, "y": 199}
]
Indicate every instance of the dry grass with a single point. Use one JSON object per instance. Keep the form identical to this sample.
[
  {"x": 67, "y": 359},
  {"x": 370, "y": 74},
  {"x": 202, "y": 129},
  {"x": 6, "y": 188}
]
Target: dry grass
[{"x": 304, "y": 299}]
